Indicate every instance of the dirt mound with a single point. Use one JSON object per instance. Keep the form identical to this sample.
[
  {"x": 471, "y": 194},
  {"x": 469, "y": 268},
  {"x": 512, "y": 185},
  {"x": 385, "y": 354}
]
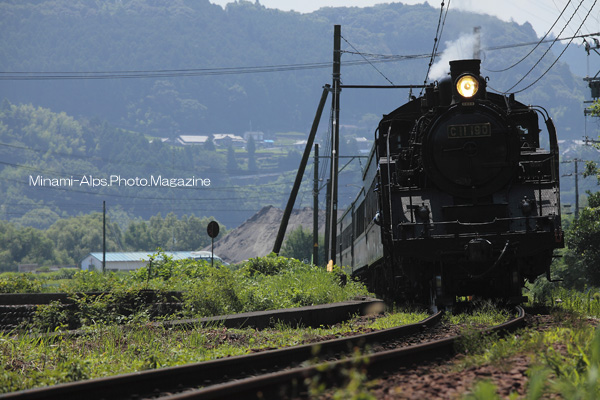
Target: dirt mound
[{"x": 256, "y": 236}]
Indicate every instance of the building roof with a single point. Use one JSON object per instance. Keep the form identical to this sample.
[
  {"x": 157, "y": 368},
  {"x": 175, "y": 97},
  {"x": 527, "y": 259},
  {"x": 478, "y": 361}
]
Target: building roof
[
  {"x": 221, "y": 136},
  {"x": 139, "y": 255},
  {"x": 192, "y": 139}
]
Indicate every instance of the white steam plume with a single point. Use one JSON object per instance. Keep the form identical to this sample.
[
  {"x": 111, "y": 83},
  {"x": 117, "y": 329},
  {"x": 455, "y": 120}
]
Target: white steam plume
[{"x": 460, "y": 49}]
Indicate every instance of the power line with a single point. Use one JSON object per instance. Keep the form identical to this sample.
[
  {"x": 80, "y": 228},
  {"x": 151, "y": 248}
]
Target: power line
[
  {"x": 130, "y": 74},
  {"x": 557, "y": 58},
  {"x": 367, "y": 60},
  {"x": 547, "y": 50},
  {"x": 100, "y": 75},
  {"x": 177, "y": 73},
  {"x": 537, "y": 45},
  {"x": 437, "y": 39}
]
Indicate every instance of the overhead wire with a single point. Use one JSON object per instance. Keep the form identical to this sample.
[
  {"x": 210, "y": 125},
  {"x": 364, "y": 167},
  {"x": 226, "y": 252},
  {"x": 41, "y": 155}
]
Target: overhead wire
[
  {"x": 557, "y": 58},
  {"x": 193, "y": 72},
  {"x": 537, "y": 45},
  {"x": 367, "y": 60},
  {"x": 436, "y": 40},
  {"x": 547, "y": 50},
  {"x": 378, "y": 58}
]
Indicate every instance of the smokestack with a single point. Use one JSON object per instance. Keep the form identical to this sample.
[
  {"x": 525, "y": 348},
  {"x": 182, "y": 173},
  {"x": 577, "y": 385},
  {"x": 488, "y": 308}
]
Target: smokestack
[
  {"x": 477, "y": 44},
  {"x": 458, "y": 67}
]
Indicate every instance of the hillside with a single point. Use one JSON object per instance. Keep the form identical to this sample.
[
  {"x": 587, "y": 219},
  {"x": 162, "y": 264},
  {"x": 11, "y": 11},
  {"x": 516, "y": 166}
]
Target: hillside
[
  {"x": 103, "y": 88},
  {"x": 200, "y": 61}
]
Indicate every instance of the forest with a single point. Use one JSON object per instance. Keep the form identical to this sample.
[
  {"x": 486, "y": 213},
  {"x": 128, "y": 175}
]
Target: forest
[{"x": 69, "y": 240}]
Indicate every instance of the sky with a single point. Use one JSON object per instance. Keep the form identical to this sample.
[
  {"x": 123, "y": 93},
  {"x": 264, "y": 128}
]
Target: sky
[{"x": 540, "y": 13}]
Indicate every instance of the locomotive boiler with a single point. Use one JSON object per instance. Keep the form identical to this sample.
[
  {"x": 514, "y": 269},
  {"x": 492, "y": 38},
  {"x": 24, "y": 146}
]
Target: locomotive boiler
[{"x": 460, "y": 197}]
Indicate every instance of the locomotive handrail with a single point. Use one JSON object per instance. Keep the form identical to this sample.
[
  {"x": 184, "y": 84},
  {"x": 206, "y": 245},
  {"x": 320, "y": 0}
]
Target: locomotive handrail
[{"x": 478, "y": 223}]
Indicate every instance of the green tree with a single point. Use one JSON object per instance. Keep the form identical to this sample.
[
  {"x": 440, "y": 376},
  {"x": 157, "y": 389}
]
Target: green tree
[
  {"x": 299, "y": 245},
  {"x": 137, "y": 237},
  {"x": 76, "y": 237},
  {"x": 40, "y": 218},
  {"x": 187, "y": 233},
  {"x": 26, "y": 245},
  {"x": 583, "y": 241},
  {"x": 583, "y": 238},
  {"x": 232, "y": 165},
  {"x": 251, "y": 149},
  {"x": 209, "y": 144}
]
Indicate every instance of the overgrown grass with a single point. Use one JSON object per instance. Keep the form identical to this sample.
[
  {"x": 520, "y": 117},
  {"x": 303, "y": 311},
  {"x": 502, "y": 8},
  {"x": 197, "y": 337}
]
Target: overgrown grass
[
  {"x": 33, "y": 361},
  {"x": 586, "y": 303},
  {"x": 565, "y": 360},
  {"x": 483, "y": 314},
  {"x": 259, "y": 284}
]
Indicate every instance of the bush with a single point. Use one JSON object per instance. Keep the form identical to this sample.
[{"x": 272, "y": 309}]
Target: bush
[
  {"x": 54, "y": 316},
  {"x": 270, "y": 265},
  {"x": 295, "y": 285},
  {"x": 216, "y": 294},
  {"x": 20, "y": 283},
  {"x": 91, "y": 281}
]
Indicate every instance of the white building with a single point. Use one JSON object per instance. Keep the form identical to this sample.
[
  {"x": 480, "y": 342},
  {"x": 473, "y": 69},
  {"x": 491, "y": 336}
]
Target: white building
[
  {"x": 191, "y": 140},
  {"x": 224, "y": 139},
  {"x": 257, "y": 136},
  {"x": 129, "y": 261}
]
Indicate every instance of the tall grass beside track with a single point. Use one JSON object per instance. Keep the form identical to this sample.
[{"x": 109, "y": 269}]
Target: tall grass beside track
[
  {"x": 564, "y": 358},
  {"x": 259, "y": 284},
  {"x": 118, "y": 337}
]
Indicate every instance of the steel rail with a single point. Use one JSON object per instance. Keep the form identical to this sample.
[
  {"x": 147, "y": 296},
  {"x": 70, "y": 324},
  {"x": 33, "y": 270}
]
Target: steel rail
[
  {"x": 154, "y": 382},
  {"x": 292, "y": 383}
]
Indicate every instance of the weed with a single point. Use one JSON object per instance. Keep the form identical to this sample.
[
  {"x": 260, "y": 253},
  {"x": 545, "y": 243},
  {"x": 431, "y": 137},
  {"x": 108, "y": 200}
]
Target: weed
[
  {"x": 483, "y": 390},
  {"x": 484, "y": 313},
  {"x": 20, "y": 283},
  {"x": 32, "y": 361},
  {"x": 53, "y": 317},
  {"x": 354, "y": 381}
]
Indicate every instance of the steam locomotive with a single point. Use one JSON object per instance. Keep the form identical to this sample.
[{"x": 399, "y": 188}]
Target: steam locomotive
[{"x": 459, "y": 199}]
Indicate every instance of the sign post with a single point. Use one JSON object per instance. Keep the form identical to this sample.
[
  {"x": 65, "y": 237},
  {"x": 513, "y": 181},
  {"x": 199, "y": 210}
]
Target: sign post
[{"x": 213, "y": 231}]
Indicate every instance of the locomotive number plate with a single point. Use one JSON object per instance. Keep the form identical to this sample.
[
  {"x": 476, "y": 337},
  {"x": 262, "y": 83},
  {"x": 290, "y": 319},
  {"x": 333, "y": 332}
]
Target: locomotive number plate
[{"x": 469, "y": 130}]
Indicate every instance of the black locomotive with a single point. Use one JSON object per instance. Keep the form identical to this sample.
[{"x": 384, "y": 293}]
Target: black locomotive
[{"x": 459, "y": 197}]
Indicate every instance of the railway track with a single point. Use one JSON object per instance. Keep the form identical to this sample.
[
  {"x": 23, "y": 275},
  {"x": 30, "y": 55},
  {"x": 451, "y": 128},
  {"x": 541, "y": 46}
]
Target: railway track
[
  {"x": 281, "y": 373},
  {"x": 294, "y": 383}
]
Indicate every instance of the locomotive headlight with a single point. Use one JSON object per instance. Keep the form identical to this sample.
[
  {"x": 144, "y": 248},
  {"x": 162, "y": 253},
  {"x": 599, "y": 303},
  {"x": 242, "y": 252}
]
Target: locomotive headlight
[{"x": 467, "y": 86}]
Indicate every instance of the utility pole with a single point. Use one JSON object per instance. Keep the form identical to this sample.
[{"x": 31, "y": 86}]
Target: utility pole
[
  {"x": 593, "y": 82},
  {"x": 103, "y": 236},
  {"x": 316, "y": 208},
  {"x": 300, "y": 173},
  {"x": 576, "y": 189},
  {"x": 327, "y": 219},
  {"x": 576, "y": 174},
  {"x": 335, "y": 140}
]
